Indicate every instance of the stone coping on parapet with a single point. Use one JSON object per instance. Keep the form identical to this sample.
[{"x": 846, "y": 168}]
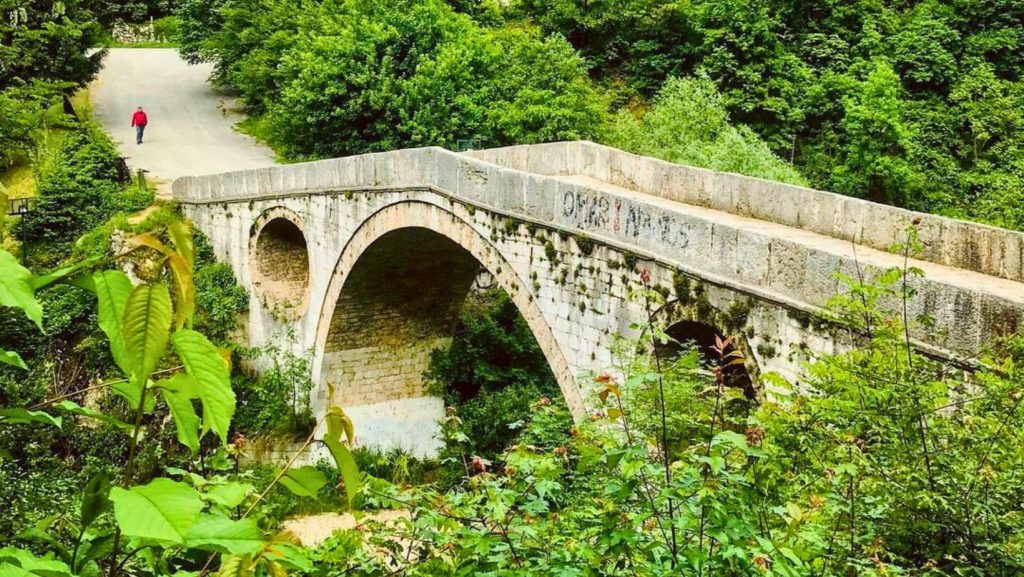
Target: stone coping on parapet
[{"x": 959, "y": 244}]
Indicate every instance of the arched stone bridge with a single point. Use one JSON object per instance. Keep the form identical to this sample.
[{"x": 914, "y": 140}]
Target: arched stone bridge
[{"x": 366, "y": 261}]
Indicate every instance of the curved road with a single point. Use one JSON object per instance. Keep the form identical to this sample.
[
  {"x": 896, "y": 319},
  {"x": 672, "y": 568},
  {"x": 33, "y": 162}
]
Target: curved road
[{"x": 191, "y": 127}]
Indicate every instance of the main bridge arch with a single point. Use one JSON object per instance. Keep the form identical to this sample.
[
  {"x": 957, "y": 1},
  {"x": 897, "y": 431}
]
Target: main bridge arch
[{"x": 394, "y": 296}]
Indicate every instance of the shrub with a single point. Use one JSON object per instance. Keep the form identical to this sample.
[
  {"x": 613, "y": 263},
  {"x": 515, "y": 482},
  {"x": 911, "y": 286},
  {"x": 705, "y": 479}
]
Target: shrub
[
  {"x": 78, "y": 189},
  {"x": 275, "y": 403},
  {"x": 166, "y": 29},
  {"x": 492, "y": 372},
  {"x": 688, "y": 123}
]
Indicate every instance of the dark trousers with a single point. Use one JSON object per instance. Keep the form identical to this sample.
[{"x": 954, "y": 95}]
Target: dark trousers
[{"x": 139, "y": 129}]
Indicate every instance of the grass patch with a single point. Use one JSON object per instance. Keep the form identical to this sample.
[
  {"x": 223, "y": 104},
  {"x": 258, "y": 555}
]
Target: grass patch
[
  {"x": 19, "y": 181},
  {"x": 143, "y": 44},
  {"x": 258, "y": 127}
]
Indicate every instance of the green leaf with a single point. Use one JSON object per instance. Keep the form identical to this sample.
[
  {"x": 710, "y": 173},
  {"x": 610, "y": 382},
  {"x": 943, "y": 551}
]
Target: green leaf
[
  {"x": 184, "y": 291},
  {"x": 230, "y": 494},
  {"x": 202, "y": 360},
  {"x": 304, "y": 481},
  {"x": 347, "y": 466},
  {"x": 181, "y": 237},
  {"x": 163, "y": 510},
  {"x": 339, "y": 423},
  {"x": 19, "y": 559},
  {"x": 12, "y": 358},
  {"x": 63, "y": 273},
  {"x": 19, "y": 415},
  {"x": 145, "y": 329},
  {"x": 178, "y": 392},
  {"x": 99, "y": 547},
  {"x": 112, "y": 291},
  {"x": 16, "y": 288},
  {"x": 9, "y": 570},
  {"x": 225, "y": 535},
  {"x": 76, "y": 409},
  {"x": 289, "y": 555},
  {"x": 235, "y": 566},
  {"x": 95, "y": 499}
]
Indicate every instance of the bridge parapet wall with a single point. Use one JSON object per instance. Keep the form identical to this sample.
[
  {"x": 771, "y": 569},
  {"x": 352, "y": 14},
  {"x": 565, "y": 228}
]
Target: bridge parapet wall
[{"x": 956, "y": 243}]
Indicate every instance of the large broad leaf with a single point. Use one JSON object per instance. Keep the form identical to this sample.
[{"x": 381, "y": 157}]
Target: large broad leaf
[
  {"x": 288, "y": 555},
  {"x": 112, "y": 291},
  {"x": 229, "y": 495},
  {"x": 163, "y": 510},
  {"x": 347, "y": 466},
  {"x": 184, "y": 291},
  {"x": 76, "y": 409},
  {"x": 11, "y": 570},
  {"x": 181, "y": 270},
  {"x": 178, "y": 392},
  {"x": 145, "y": 329},
  {"x": 225, "y": 535},
  {"x": 12, "y": 358},
  {"x": 95, "y": 499},
  {"x": 15, "y": 561},
  {"x": 304, "y": 481},
  {"x": 19, "y": 415},
  {"x": 16, "y": 288},
  {"x": 202, "y": 360}
]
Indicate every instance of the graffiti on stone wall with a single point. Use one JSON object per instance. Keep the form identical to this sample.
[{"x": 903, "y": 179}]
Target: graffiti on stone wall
[{"x": 590, "y": 211}]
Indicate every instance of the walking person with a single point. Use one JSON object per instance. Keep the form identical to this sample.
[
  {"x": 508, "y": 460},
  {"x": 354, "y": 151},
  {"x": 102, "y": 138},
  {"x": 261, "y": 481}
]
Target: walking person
[{"x": 139, "y": 121}]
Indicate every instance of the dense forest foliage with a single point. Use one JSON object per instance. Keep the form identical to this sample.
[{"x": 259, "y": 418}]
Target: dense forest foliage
[
  {"x": 917, "y": 104},
  {"x": 912, "y": 103}
]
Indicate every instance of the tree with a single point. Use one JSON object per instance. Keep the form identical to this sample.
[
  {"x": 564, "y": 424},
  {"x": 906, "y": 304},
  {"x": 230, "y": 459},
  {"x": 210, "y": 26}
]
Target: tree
[
  {"x": 49, "y": 41},
  {"x": 689, "y": 124},
  {"x": 877, "y": 142},
  {"x": 365, "y": 76}
]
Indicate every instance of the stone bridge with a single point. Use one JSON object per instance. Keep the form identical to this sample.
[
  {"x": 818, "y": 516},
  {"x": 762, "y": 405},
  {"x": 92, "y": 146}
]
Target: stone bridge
[{"x": 365, "y": 261}]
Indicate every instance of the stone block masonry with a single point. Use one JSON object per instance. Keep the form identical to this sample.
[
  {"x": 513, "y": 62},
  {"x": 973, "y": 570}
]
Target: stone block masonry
[{"x": 393, "y": 241}]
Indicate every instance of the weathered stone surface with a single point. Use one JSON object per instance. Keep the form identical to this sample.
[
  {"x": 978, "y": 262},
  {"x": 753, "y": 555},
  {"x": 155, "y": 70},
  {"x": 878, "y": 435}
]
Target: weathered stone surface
[{"x": 394, "y": 240}]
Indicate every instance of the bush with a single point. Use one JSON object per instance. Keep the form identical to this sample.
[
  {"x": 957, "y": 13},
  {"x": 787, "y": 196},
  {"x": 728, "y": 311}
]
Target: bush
[
  {"x": 689, "y": 124},
  {"x": 166, "y": 29},
  {"x": 78, "y": 189},
  {"x": 220, "y": 300},
  {"x": 275, "y": 403},
  {"x": 358, "y": 76},
  {"x": 492, "y": 372}
]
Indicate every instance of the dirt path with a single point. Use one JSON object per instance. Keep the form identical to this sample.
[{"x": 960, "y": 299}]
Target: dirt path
[{"x": 191, "y": 127}]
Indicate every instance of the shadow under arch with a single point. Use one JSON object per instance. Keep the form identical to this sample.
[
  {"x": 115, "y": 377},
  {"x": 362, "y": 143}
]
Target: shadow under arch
[
  {"x": 687, "y": 333},
  {"x": 395, "y": 295}
]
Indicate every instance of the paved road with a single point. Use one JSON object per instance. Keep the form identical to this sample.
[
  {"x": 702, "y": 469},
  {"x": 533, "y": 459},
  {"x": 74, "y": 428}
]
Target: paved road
[{"x": 190, "y": 126}]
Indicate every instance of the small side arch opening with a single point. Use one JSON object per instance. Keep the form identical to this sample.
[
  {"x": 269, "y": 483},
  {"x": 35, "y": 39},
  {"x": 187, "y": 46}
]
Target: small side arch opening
[
  {"x": 280, "y": 264},
  {"x": 686, "y": 334}
]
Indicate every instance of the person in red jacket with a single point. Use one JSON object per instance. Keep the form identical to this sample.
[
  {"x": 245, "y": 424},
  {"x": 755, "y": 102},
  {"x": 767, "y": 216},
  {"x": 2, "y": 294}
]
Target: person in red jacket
[{"x": 139, "y": 121}]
